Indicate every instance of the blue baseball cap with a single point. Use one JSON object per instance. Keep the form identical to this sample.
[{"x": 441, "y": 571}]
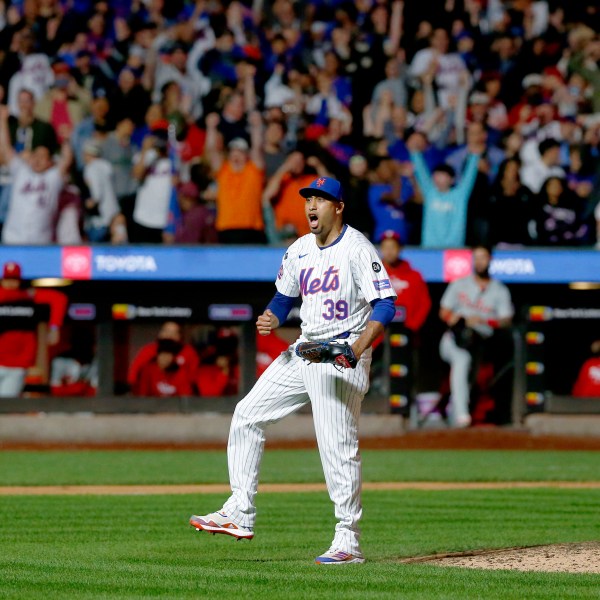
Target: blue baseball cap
[{"x": 324, "y": 187}]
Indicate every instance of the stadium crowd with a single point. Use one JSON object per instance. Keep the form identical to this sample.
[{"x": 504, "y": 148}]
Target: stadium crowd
[{"x": 450, "y": 123}]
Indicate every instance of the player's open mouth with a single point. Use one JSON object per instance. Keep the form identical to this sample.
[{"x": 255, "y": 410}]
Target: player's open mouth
[{"x": 313, "y": 221}]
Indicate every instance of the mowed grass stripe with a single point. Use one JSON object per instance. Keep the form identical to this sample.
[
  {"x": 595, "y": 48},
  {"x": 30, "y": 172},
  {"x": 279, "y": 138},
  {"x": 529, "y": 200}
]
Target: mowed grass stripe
[
  {"x": 218, "y": 488},
  {"x": 184, "y": 467},
  {"x": 138, "y": 546}
]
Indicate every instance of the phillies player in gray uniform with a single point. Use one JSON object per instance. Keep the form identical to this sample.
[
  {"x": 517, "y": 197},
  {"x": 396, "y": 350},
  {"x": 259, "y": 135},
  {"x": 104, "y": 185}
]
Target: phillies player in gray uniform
[
  {"x": 346, "y": 295},
  {"x": 484, "y": 304}
]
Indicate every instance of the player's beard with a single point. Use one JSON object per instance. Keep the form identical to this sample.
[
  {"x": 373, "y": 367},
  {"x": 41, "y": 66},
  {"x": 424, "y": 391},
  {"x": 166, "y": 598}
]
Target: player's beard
[{"x": 483, "y": 273}]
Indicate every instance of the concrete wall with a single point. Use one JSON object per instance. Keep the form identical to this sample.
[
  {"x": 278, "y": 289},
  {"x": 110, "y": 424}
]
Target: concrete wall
[{"x": 194, "y": 428}]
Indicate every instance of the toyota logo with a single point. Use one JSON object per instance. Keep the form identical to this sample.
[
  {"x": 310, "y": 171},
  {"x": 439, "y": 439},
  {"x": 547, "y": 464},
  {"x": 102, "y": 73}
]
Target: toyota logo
[
  {"x": 458, "y": 266},
  {"x": 76, "y": 263}
]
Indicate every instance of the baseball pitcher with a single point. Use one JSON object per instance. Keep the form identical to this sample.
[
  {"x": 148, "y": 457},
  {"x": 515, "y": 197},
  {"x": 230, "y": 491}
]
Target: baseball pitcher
[{"x": 347, "y": 300}]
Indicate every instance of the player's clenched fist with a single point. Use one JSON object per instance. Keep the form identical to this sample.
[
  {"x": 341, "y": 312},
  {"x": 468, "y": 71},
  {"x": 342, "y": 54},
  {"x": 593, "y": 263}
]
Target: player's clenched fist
[{"x": 267, "y": 322}]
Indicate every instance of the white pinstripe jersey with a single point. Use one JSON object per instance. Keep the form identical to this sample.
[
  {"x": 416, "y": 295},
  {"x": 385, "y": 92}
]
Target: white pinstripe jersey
[{"x": 336, "y": 282}]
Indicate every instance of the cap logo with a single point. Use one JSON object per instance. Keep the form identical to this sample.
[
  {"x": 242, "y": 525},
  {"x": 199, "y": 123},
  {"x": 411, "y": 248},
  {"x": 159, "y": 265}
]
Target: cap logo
[{"x": 320, "y": 182}]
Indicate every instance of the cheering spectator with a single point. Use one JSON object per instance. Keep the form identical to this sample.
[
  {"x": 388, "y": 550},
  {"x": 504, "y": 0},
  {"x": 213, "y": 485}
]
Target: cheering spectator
[
  {"x": 173, "y": 67},
  {"x": 447, "y": 66},
  {"x": 496, "y": 114},
  {"x": 585, "y": 63},
  {"x": 444, "y": 206},
  {"x": 89, "y": 75},
  {"x": 283, "y": 188},
  {"x": 546, "y": 163},
  {"x": 118, "y": 230},
  {"x": 65, "y": 104},
  {"x": 154, "y": 170},
  {"x": 93, "y": 126},
  {"x": 26, "y": 131},
  {"x": 275, "y": 146},
  {"x": 388, "y": 193},
  {"x": 191, "y": 221},
  {"x": 559, "y": 215},
  {"x": 101, "y": 206},
  {"x": 511, "y": 207},
  {"x": 357, "y": 212},
  {"x": 325, "y": 105},
  {"x": 34, "y": 74},
  {"x": 130, "y": 100},
  {"x": 394, "y": 83},
  {"x": 232, "y": 123},
  {"x": 33, "y": 206},
  {"x": 477, "y": 137},
  {"x": 343, "y": 78},
  {"x": 118, "y": 150},
  {"x": 240, "y": 179}
]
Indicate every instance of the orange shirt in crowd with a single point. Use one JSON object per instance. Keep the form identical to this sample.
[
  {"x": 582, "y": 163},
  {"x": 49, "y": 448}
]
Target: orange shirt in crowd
[
  {"x": 239, "y": 197},
  {"x": 289, "y": 209}
]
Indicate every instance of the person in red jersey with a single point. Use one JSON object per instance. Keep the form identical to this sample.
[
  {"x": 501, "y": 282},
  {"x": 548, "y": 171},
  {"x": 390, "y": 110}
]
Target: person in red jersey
[
  {"x": 163, "y": 376},
  {"x": 185, "y": 355},
  {"x": 408, "y": 283},
  {"x": 588, "y": 380},
  {"x": 18, "y": 337}
]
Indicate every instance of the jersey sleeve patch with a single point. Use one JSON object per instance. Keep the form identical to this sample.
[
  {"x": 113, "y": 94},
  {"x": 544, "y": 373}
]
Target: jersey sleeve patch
[{"x": 382, "y": 284}]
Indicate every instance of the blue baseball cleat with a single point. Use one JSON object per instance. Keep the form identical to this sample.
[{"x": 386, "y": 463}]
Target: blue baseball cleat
[{"x": 338, "y": 557}]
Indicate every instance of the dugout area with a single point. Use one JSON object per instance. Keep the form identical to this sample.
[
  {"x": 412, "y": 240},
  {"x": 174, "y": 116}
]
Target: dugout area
[{"x": 113, "y": 319}]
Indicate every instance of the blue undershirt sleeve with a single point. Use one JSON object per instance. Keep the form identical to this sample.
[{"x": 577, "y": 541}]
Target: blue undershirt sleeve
[
  {"x": 383, "y": 310},
  {"x": 281, "y": 305}
]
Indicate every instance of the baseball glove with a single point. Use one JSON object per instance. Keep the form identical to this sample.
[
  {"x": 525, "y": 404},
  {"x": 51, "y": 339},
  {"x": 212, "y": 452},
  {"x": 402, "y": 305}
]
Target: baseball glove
[
  {"x": 465, "y": 337},
  {"x": 334, "y": 353}
]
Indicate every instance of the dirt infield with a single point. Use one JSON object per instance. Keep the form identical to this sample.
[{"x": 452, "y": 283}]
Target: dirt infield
[
  {"x": 582, "y": 557},
  {"x": 477, "y": 438},
  {"x": 221, "y": 488}
]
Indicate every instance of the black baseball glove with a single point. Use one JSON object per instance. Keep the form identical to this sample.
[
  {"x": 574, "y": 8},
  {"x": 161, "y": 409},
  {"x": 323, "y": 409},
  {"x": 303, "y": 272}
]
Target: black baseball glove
[
  {"x": 464, "y": 336},
  {"x": 334, "y": 353}
]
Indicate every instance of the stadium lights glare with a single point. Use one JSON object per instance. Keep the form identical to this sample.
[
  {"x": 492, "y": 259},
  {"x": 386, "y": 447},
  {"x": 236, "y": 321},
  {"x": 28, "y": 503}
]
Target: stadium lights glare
[
  {"x": 584, "y": 285},
  {"x": 51, "y": 282}
]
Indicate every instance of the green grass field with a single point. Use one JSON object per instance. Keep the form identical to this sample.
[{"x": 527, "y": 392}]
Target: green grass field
[
  {"x": 301, "y": 466},
  {"x": 142, "y": 546}
]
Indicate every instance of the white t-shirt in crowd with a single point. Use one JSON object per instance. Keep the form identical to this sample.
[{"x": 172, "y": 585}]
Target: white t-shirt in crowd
[
  {"x": 154, "y": 195},
  {"x": 98, "y": 176},
  {"x": 33, "y": 205}
]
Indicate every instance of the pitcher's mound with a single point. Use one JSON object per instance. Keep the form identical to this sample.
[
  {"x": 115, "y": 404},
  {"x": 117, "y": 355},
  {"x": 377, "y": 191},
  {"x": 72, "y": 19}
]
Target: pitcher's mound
[{"x": 564, "y": 558}]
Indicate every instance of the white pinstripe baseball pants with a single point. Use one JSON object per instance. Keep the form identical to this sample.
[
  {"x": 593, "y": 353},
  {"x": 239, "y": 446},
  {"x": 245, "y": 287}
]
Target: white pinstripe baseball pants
[{"x": 288, "y": 384}]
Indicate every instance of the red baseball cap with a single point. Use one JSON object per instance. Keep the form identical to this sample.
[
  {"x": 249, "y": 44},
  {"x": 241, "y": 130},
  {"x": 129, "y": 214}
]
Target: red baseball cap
[
  {"x": 390, "y": 234},
  {"x": 12, "y": 270},
  {"x": 188, "y": 189}
]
